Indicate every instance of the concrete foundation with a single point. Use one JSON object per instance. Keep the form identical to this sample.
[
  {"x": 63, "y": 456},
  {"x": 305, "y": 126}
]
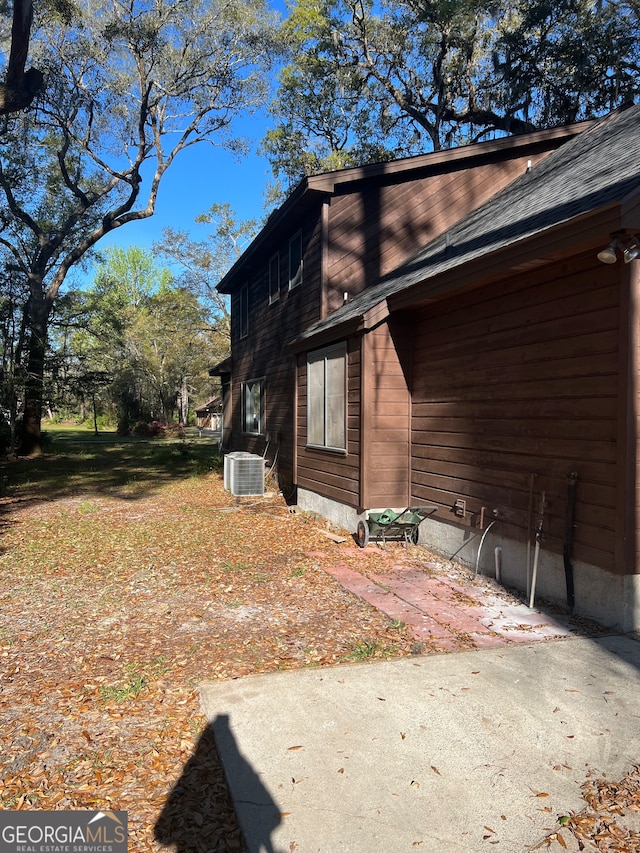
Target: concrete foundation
[
  {"x": 612, "y": 600},
  {"x": 337, "y": 513}
]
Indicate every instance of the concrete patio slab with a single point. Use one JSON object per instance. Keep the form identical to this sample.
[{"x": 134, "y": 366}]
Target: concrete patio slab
[{"x": 446, "y": 753}]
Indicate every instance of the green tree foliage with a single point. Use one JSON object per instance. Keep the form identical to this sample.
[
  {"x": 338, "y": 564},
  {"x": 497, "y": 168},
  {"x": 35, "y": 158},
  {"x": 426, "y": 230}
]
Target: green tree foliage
[
  {"x": 201, "y": 263},
  {"x": 89, "y": 358},
  {"x": 75, "y": 370},
  {"x": 369, "y": 81},
  {"x": 171, "y": 335},
  {"x": 127, "y": 88},
  {"x": 136, "y": 344}
]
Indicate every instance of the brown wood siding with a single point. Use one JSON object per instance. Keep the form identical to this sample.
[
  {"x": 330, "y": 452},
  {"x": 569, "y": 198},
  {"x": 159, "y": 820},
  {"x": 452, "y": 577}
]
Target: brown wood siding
[
  {"x": 633, "y": 436},
  {"x": 264, "y": 352},
  {"x": 376, "y": 229},
  {"x": 386, "y": 417},
  {"x": 628, "y": 507},
  {"x": 522, "y": 379},
  {"x": 332, "y": 474}
]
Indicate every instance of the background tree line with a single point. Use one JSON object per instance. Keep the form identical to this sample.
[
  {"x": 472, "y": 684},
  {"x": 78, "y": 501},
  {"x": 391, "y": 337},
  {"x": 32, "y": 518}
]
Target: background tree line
[
  {"x": 370, "y": 81},
  {"x": 127, "y": 86},
  {"x": 133, "y": 348},
  {"x": 136, "y": 345}
]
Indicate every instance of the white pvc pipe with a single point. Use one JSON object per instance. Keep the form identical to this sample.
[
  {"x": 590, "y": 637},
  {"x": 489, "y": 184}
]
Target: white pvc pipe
[
  {"x": 537, "y": 549},
  {"x": 484, "y": 536},
  {"x": 498, "y": 556},
  {"x": 535, "y": 573},
  {"x": 532, "y": 478}
]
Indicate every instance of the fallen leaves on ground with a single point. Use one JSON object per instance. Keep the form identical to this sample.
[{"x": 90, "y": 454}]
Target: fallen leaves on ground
[
  {"x": 117, "y": 601},
  {"x": 609, "y": 823},
  {"x": 115, "y": 608},
  {"x": 611, "y": 807}
]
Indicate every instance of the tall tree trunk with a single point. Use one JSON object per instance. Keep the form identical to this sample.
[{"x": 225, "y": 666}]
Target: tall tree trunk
[
  {"x": 183, "y": 402},
  {"x": 30, "y": 439},
  {"x": 20, "y": 87}
]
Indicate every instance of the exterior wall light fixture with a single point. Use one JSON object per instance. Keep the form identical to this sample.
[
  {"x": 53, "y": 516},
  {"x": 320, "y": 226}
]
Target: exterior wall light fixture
[
  {"x": 630, "y": 249},
  {"x": 608, "y": 255}
]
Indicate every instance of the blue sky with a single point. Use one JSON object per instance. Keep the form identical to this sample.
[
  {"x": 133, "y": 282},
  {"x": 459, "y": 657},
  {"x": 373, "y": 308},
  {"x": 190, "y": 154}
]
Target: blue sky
[{"x": 199, "y": 177}]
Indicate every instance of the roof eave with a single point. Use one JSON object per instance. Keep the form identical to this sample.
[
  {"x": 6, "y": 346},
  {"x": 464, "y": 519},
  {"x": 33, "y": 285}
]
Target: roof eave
[
  {"x": 589, "y": 231},
  {"x": 317, "y": 187},
  {"x": 543, "y": 139},
  {"x": 276, "y": 218},
  {"x": 221, "y": 368}
]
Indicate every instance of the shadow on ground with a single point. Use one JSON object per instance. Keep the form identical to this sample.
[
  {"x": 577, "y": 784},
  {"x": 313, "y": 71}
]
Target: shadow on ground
[
  {"x": 127, "y": 469},
  {"x": 198, "y": 812}
]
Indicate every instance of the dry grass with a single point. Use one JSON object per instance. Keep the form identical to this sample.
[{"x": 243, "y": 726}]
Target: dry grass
[{"x": 127, "y": 577}]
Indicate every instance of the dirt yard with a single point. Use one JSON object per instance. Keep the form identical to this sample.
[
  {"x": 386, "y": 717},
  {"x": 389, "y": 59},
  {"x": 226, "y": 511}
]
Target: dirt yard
[
  {"x": 117, "y": 602},
  {"x": 127, "y": 581}
]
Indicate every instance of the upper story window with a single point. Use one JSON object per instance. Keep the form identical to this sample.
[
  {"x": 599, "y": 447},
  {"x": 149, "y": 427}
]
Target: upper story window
[
  {"x": 274, "y": 278},
  {"x": 327, "y": 398},
  {"x": 295, "y": 260},
  {"x": 244, "y": 311}
]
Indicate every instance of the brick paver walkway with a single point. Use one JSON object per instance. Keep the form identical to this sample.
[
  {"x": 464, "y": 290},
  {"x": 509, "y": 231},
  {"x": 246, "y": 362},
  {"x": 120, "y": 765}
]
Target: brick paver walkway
[{"x": 450, "y": 609}]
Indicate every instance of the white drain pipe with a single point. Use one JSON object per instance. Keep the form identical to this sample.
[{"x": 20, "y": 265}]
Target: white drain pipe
[
  {"x": 536, "y": 554},
  {"x": 534, "y": 576},
  {"x": 484, "y": 536}
]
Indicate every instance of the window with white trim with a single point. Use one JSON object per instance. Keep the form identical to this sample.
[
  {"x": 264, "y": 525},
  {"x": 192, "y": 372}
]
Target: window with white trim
[
  {"x": 295, "y": 260},
  {"x": 327, "y": 398},
  {"x": 253, "y": 406}
]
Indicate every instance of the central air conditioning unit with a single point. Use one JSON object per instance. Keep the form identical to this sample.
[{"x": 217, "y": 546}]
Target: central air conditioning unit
[
  {"x": 229, "y": 464},
  {"x": 244, "y": 474}
]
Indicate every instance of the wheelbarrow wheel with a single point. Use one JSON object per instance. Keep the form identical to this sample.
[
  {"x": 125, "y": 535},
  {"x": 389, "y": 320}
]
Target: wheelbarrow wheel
[
  {"x": 362, "y": 534},
  {"x": 413, "y": 536}
]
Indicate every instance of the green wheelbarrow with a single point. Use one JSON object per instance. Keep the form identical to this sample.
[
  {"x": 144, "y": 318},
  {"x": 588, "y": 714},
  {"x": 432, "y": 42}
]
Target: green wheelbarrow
[{"x": 391, "y": 525}]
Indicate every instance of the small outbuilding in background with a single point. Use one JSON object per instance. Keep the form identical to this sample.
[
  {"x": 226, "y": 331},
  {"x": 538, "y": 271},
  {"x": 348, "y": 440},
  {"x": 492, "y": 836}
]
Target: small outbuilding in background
[{"x": 209, "y": 415}]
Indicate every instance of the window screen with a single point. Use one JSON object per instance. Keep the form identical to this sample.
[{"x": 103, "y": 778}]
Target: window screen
[{"x": 326, "y": 398}]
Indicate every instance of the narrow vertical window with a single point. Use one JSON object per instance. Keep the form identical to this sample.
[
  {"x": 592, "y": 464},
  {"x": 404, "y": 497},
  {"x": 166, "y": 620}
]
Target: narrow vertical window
[
  {"x": 244, "y": 310},
  {"x": 295, "y": 260},
  {"x": 326, "y": 398},
  {"x": 274, "y": 278},
  {"x": 253, "y": 406}
]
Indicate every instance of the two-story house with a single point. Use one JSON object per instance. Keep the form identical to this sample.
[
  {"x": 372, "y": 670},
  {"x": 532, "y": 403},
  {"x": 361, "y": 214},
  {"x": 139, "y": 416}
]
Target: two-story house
[{"x": 440, "y": 330}]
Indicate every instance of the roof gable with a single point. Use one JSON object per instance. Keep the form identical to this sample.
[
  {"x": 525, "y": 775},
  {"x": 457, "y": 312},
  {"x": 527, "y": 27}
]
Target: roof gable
[
  {"x": 311, "y": 190},
  {"x": 598, "y": 168}
]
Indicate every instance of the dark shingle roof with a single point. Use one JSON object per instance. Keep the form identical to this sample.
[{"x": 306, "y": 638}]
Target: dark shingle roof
[{"x": 599, "y": 167}]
